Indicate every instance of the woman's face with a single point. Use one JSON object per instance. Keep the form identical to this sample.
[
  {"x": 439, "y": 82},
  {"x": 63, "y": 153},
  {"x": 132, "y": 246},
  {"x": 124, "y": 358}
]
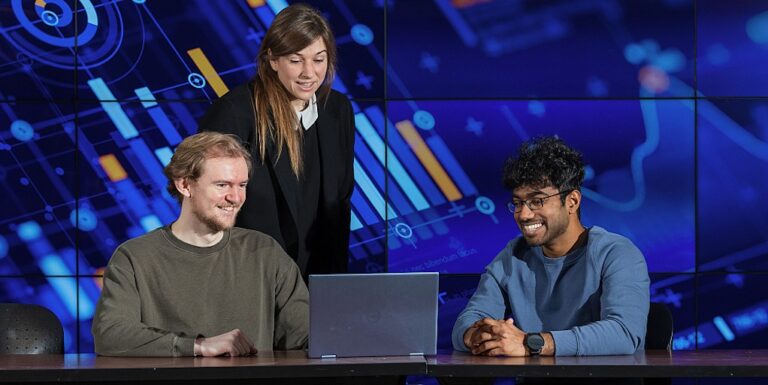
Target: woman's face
[{"x": 302, "y": 72}]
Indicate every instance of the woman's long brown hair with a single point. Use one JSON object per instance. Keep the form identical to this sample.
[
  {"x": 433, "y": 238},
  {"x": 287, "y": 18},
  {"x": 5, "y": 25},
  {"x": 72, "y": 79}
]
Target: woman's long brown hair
[{"x": 294, "y": 28}]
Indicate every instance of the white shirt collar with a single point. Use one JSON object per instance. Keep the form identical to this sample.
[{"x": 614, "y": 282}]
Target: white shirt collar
[{"x": 308, "y": 116}]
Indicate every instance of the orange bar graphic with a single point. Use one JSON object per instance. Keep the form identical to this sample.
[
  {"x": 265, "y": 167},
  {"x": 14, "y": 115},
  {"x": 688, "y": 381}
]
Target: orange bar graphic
[
  {"x": 40, "y": 3},
  {"x": 99, "y": 281},
  {"x": 427, "y": 158},
  {"x": 255, "y": 3},
  {"x": 112, "y": 167},
  {"x": 209, "y": 73}
]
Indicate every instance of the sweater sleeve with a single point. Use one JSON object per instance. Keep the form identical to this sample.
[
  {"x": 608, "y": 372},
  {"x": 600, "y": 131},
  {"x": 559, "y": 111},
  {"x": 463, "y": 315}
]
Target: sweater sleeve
[
  {"x": 624, "y": 303},
  {"x": 117, "y": 327},
  {"x": 488, "y": 301},
  {"x": 291, "y": 307}
]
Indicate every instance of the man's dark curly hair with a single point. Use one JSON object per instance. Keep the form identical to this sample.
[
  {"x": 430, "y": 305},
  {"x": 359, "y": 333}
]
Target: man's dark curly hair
[{"x": 542, "y": 162}]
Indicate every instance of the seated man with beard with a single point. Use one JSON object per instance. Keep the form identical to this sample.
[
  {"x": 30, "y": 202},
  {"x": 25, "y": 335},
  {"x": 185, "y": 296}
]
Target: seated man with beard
[
  {"x": 200, "y": 286},
  {"x": 559, "y": 288}
]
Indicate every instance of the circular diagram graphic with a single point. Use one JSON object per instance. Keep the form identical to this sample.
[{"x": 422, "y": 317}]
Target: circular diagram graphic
[
  {"x": 424, "y": 120},
  {"x": 485, "y": 205},
  {"x": 361, "y": 34},
  {"x": 403, "y": 230},
  {"x": 46, "y": 32}
]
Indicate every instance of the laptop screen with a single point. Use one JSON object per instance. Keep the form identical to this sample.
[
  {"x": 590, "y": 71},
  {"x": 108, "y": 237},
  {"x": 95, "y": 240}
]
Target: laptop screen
[{"x": 388, "y": 314}]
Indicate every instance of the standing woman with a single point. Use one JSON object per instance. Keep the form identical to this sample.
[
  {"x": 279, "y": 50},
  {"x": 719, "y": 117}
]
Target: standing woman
[{"x": 301, "y": 136}]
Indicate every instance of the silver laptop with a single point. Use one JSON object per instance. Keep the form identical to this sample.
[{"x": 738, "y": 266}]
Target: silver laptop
[{"x": 388, "y": 314}]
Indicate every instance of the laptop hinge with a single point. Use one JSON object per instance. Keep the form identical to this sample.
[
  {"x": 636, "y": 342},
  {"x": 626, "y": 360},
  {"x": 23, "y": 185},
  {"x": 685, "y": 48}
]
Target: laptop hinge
[
  {"x": 416, "y": 354},
  {"x": 328, "y": 356}
]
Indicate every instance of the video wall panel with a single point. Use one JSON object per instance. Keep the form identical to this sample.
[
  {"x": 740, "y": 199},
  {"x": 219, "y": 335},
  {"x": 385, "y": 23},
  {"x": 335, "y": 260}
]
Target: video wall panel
[
  {"x": 370, "y": 209},
  {"x": 38, "y": 178},
  {"x": 459, "y": 148},
  {"x": 741, "y": 319},
  {"x": 732, "y": 48},
  {"x": 37, "y": 57},
  {"x": 502, "y": 49},
  {"x": 733, "y": 163}
]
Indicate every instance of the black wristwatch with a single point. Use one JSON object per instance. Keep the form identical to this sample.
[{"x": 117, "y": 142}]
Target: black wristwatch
[{"x": 534, "y": 342}]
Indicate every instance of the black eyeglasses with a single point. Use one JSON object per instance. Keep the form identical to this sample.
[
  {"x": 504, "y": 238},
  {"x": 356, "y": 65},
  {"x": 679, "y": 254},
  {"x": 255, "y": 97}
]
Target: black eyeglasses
[{"x": 515, "y": 205}]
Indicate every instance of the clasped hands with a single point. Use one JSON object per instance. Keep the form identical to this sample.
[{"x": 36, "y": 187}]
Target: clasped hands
[
  {"x": 490, "y": 337},
  {"x": 232, "y": 343}
]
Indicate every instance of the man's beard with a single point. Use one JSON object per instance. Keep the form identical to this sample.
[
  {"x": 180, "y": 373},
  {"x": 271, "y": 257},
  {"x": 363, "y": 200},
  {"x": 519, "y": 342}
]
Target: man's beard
[{"x": 215, "y": 224}]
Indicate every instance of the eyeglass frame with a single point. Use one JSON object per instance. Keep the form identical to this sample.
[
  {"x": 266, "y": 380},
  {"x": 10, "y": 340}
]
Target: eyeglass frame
[{"x": 513, "y": 208}]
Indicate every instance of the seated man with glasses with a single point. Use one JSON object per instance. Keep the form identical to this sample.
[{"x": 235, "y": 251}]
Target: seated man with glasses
[{"x": 559, "y": 288}]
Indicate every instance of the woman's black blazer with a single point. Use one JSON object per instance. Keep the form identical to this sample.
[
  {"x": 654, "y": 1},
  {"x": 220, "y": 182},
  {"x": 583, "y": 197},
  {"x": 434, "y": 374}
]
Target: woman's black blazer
[{"x": 270, "y": 205}]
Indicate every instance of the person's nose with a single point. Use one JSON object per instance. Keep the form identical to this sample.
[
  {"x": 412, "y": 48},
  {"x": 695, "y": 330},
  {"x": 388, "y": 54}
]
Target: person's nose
[
  {"x": 307, "y": 69},
  {"x": 236, "y": 195},
  {"x": 525, "y": 213}
]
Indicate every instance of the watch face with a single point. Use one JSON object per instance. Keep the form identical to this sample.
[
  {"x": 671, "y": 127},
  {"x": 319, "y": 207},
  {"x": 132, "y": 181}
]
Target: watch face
[{"x": 534, "y": 342}]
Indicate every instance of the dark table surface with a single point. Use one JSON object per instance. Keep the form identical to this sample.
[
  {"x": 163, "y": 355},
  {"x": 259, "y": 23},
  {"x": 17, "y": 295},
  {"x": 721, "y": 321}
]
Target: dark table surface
[
  {"x": 652, "y": 363},
  {"x": 292, "y": 364},
  {"x": 295, "y": 364}
]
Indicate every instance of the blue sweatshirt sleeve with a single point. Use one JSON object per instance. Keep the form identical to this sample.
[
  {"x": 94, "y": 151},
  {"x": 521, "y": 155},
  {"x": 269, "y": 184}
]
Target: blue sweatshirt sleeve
[
  {"x": 624, "y": 303},
  {"x": 488, "y": 301}
]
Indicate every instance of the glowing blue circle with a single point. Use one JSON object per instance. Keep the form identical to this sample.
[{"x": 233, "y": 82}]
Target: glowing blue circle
[
  {"x": 671, "y": 60},
  {"x": 22, "y": 130},
  {"x": 62, "y": 19},
  {"x": 536, "y": 108},
  {"x": 50, "y": 18},
  {"x": 139, "y": 1},
  {"x": 757, "y": 28},
  {"x": 29, "y": 231},
  {"x": 3, "y": 247},
  {"x": 424, "y": 120},
  {"x": 361, "y": 34},
  {"x": 84, "y": 220},
  {"x": 634, "y": 53},
  {"x": 32, "y": 39},
  {"x": 403, "y": 231},
  {"x": 196, "y": 80},
  {"x": 485, "y": 205},
  {"x": 589, "y": 172},
  {"x": 91, "y": 25}
]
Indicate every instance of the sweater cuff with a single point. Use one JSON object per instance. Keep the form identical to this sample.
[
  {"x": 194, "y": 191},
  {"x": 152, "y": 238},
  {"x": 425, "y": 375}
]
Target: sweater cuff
[
  {"x": 183, "y": 346},
  {"x": 458, "y": 336},
  {"x": 565, "y": 342}
]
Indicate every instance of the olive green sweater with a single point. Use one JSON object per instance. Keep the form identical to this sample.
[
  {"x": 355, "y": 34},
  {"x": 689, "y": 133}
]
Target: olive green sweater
[{"x": 161, "y": 293}]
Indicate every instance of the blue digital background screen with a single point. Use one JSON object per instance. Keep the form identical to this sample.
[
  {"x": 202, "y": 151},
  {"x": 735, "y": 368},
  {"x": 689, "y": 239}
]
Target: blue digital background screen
[
  {"x": 648, "y": 167},
  {"x": 538, "y": 48},
  {"x": 443, "y": 92}
]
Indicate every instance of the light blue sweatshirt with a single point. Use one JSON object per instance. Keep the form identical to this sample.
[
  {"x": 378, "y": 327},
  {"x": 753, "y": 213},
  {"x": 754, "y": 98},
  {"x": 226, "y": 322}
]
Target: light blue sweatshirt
[{"x": 594, "y": 301}]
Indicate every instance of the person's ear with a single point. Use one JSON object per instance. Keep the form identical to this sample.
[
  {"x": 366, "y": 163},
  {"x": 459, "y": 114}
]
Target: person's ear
[
  {"x": 272, "y": 60},
  {"x": 182, "y": 186},
  {"x": 573, "y": 201}
]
